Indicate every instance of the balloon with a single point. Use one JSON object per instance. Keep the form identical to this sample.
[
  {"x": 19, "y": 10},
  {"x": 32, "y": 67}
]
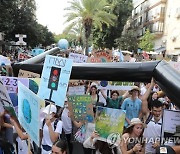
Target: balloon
[{"x": 63, "y": 44}]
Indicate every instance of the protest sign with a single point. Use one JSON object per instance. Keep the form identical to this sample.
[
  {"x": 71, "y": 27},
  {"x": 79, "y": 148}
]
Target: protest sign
[
  {"x": 27, "y": 74},
  {"x": 76, "y": 90},
  {"x": 11, "y": 83},
  {"x": 171, "y": 118},
  {"x": 81, "y": 107},
  {"x": 54, "y": 80},
  {"x": 94, "y": 60},
  {"x": 104, "y": 56},
  {"x": 4, "y": 97},
  {"x": 78, "y": 58},
  {"x": 28, "y": 111},
  {"x": 34, "y": 84},
  {"x": 116, "y": 85},
  {"x": 109, "y": 122}
]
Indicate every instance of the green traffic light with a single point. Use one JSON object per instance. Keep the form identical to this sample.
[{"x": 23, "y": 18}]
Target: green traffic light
[{"x": 53, "y": 85}]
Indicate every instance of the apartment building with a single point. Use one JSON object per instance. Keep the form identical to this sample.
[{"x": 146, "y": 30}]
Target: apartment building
[{"x": 162, "y": 18}]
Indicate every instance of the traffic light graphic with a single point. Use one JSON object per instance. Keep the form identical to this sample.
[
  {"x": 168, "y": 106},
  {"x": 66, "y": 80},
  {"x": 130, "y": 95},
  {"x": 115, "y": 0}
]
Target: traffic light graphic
[{"x": 54, "y": 78}]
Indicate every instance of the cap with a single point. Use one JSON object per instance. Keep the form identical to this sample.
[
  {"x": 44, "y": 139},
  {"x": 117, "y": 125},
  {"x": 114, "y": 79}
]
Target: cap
[{"x": 53, "y": 109}]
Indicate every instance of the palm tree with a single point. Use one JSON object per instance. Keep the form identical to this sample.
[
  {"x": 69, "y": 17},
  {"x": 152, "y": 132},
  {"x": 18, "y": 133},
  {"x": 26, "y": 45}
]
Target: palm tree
[{"x": 90, "y": 13}]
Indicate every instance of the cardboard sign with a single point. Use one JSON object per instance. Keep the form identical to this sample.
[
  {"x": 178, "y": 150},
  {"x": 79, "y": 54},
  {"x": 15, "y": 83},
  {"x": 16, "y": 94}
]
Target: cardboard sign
[
  {"x": 29, "y": 111},
  {"x": 109, "y": 123},
  {"x": 94, "y": 60},
  {"x": 4, "y": 97},
  {"x": 78, "y": 58},
  {"x": 81, "y": 107},
  {"x": 54, "y": 80},
  {"x": 170, "y": 120},
  {"x": 27, "y": 74},
  {"x": 104, "y": 56},
  {"x": 11, "y": 83}
]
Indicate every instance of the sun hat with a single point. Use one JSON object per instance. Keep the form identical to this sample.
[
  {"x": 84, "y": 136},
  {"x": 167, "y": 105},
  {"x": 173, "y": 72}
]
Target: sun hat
[
  {"x": 53, "y": 109},
  {"x": 134, "y": 88},
  {"x": 135, "y": 121}
]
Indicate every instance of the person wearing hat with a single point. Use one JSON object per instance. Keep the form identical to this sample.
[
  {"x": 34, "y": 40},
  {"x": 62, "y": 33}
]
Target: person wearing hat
[
  {"x": 132, "y": 140},
  {"x": 51, "y": 129},
  {"x": 132, "y": 105},
  {"x": 153, "y": 120}
]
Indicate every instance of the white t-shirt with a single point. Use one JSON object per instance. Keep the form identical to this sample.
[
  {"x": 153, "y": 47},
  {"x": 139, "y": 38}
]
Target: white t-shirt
[
  {"x": 46, "y": 140},
  {"x": 152, "y": 133},
  {"x": 67, "y": 124},
  {"x": 22, "y": 145},
  {"x": 101, "y": 98}
]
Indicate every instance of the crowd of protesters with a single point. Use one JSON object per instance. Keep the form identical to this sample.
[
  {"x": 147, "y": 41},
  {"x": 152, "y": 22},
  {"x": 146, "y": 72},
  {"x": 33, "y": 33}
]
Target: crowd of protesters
[{"x": 144, "y": 105}]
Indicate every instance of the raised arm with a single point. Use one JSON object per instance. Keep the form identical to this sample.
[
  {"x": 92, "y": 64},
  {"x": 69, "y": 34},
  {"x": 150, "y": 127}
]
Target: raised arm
[
  {"x": 125, "y": 95},
  {"x": 145, "y": 109}
]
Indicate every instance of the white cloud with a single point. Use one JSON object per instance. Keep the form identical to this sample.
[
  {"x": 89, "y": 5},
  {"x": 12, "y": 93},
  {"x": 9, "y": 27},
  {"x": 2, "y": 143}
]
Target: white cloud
[{"x": 51, "y": 13}]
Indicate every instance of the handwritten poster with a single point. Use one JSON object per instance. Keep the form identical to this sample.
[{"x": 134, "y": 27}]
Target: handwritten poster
[
  {"x": 11, "y": 83},
  {"x": 170, "y": 120},
  {"x": 28, "y": 111},
  {"x": 104, "y": 56},
  {"x": 81, "y": 107},
  {"x": 109, "y": 122},
  {"x": 27, "y": 74},
  {"x": 4, "y": 97},
  {"x": 76, "y": 90},
  {"x": 54, "y": 80},
  {"x": 78, "y": 58}
]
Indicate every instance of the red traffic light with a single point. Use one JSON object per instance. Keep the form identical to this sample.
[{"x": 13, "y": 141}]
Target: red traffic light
[{"x": 55, "y": 72}]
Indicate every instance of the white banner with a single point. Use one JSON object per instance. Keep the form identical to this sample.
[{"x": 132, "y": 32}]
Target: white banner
[
  {"x": 77, "y": 90},
  {"x": 78, "y": 58}
]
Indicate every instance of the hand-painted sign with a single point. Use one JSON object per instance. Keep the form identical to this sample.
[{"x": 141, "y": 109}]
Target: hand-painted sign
[
  {"x": 54, "y": 80},
  {"x": 27, "y": 74},
  {"x": 81, "y": 107},
  {"x": 78, "y": 58},
  {"x": 29, "y": 111},
  {"x": 109, "y": 122}
]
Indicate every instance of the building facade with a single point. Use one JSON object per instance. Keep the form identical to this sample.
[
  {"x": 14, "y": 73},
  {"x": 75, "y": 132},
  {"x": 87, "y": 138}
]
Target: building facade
[{"x": 162, "y": 18}]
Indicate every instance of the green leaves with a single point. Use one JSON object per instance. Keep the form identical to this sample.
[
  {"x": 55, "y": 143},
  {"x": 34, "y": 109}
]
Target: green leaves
[{"x": 147, "y": 41}]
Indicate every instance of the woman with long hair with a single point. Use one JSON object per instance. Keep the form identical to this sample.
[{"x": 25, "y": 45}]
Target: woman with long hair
[{"x": 132, "y": 140}]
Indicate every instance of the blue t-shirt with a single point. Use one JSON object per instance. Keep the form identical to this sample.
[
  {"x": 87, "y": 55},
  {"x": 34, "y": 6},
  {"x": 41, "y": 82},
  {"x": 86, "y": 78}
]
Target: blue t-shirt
[{"x": 132, "y": 108}]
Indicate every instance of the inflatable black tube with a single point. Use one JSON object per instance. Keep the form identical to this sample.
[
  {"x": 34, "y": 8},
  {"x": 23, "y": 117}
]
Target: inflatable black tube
[
  {"x": 167, "y": 78},
  {"x": 169, "y": 81},
  {"x": 135, "y": 72}
]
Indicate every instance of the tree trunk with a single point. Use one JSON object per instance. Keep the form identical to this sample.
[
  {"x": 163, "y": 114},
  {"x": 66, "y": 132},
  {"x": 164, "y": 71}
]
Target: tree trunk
[{"x": 86, "y": 46}]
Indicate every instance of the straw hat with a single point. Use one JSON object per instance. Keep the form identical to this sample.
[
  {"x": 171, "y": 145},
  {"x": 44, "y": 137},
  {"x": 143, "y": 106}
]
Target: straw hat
[
  {"x": 135, "y": 121},
  {"x": 134, "y": 88}
]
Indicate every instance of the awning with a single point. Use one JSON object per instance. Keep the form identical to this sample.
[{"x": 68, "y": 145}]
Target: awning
[{"x": 161, "y": 49}]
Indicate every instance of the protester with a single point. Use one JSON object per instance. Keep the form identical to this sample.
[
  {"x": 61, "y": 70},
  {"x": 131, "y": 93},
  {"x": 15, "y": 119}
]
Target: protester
[
  {"x": 22, "y": 138},
  {"x": 51, "y": 129},
  {"x": 67, "y": 125},
  {"x": 153, "y": 120},
  {"x": 132, "y": 141},
  {"x": 132, "y": 105},
  {"x": 59, "y": 147},
  {"x": 101, "y": 147},
  {"x": 115, "y": 101}
]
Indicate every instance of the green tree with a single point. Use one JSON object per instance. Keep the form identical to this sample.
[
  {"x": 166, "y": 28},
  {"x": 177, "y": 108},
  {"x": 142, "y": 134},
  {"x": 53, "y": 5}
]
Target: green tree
[
  {"x": 146, "y": 42},
  {"x": 106, "y": 38},
  {"x": 90, "y": 13},
  {"x": 127, "y": 41}
]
